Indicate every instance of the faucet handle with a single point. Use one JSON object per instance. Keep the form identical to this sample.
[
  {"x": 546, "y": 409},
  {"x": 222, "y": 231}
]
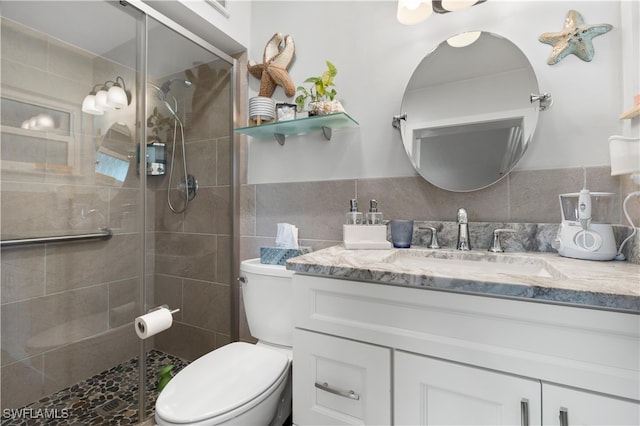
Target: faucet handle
[
  {"x": 496, "y": 247},
  {"x": 434, "y": 237}
]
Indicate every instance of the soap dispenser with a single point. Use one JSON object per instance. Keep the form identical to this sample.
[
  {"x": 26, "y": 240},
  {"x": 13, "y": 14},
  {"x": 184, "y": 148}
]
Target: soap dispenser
[
  {"x": 374, "y": 217},
  {"x": 354, "y": 217}
]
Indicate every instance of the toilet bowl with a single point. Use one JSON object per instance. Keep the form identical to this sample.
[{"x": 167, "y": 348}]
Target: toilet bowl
[{"x": 241, "y": 383}]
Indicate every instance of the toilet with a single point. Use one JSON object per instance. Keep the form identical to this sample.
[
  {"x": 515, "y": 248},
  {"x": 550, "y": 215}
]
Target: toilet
[{"x": 241, "y": 383}]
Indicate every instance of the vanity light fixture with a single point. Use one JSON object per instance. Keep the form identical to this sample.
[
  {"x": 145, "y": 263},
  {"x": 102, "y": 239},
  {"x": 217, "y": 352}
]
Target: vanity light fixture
[
  {"x": 412, "y": 12},
  {"x": 111, "y": 95},
  {"x": 453, "y": 5},
  {"x": 464, "y": 39}
]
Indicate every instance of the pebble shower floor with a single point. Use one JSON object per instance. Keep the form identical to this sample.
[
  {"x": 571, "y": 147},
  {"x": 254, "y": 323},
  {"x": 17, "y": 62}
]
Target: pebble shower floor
[{"x": 109, "y": 398}]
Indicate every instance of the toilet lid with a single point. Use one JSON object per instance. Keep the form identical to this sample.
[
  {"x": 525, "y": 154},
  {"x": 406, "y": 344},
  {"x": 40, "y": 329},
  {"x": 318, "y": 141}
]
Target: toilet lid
[{"x": 219, "y": 382}]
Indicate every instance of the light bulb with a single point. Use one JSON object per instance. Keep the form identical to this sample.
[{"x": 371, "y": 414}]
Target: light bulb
[
  {"x": 463, "y": 39},
  {"x": 411, "y": 12},
  {"x": 453, "y": 5},
  {"x": 89, "y": 105},
  {"x": 101, "y": 100},
  {"x": 410, "y": 4},
  {"x": 44, "y": 122},
  {"x": 117, "y": 97}
]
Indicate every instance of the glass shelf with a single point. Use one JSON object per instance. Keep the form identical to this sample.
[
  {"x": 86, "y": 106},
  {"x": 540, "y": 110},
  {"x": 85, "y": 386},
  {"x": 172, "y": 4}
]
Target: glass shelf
[{"x": 281, "y": 129}]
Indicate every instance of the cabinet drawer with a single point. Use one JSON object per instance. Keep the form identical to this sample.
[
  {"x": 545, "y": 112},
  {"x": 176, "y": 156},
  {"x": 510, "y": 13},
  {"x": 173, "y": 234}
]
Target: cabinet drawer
[{"x": 340, "y": 382}]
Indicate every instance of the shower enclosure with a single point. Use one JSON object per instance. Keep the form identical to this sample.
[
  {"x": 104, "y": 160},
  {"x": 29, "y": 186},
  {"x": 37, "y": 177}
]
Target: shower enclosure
[{"x": 138, "y": 183}]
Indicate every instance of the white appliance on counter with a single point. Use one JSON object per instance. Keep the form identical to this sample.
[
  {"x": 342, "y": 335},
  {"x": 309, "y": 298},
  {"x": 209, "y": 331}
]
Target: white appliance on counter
[{"x": 584, "y": 233}]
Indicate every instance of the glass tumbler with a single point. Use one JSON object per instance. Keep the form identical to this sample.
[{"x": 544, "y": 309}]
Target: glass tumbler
[{"x": 401, "y": 233}]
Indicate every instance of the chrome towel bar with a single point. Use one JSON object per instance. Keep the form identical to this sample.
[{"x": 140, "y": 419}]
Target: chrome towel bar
[{"x": 104, "y": 234}]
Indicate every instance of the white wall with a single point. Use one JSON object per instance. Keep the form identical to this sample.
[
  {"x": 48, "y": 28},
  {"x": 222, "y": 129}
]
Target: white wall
[
  {"x": 375, "y": 57},
  {"x": 228, "y": 31}
]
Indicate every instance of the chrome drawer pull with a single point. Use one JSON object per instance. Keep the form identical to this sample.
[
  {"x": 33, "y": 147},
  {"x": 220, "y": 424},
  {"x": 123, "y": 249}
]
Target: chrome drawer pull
[
  {"x": 524, "y": 412},
  {"x": 347, "y": 394},
  {"x": 564, "y": 416}
]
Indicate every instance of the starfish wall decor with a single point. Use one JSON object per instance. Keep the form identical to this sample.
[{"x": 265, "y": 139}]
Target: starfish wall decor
[
  {"x": 576, "y": 38},
  {"x": 278, "y": 54}
]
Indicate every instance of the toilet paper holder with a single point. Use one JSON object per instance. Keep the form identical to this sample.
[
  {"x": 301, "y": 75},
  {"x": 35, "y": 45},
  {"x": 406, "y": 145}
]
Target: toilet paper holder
[
  {"x": 163, "y": 307},
  {"x": 150, "y": 324}
]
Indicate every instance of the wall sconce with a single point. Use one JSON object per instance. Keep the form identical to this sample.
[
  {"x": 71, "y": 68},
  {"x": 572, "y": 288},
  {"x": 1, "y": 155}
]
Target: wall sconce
[
  {"x": 112, "y": 95},
  {"x": 411, "y": 12}
]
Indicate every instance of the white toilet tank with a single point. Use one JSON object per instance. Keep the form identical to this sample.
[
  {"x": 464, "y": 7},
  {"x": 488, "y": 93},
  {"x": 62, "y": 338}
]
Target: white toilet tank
[{"x": 266, "y": 293}]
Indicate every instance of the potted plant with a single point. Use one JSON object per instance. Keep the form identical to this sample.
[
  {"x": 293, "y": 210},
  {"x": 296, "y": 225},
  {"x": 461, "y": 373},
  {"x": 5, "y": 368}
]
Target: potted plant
[{"x": 320, "y": 97}]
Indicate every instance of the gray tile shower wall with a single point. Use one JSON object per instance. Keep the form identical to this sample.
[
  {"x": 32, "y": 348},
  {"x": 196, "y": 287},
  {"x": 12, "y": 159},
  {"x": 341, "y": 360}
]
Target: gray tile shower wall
[{"x": 192, "y": 250}]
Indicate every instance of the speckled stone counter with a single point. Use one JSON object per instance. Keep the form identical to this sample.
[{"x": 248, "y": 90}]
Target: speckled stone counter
[{"x": 535, "y": 276}]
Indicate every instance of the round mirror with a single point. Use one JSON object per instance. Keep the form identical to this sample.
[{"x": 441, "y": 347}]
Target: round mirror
[
  {"x": 114, "y": 155},
  {"x": 469, "y": 117}
]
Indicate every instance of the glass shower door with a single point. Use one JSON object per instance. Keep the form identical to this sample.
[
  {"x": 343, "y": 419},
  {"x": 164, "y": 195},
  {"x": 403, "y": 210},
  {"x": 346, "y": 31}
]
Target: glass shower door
[
  {"x": 68, "y": 350},
  {"x": 140, "y": 194}
]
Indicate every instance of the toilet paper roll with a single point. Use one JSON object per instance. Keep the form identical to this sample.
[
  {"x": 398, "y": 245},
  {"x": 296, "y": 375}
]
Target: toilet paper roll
[{"x": 153, "y": 323}]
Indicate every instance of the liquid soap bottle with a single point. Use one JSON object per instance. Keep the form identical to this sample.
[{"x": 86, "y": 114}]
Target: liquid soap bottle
[
  {"x": 374, "y": 217},
  {"x": 354, "y": 217}
]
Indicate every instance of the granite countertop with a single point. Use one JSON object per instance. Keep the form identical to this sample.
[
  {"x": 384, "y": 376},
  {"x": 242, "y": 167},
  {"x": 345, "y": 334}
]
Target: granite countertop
[{"x": 534, "y": 276}]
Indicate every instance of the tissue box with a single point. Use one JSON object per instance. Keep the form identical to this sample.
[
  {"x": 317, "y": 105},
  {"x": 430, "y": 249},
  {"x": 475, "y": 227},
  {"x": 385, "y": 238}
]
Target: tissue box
[{"x": 278, "y": 255}]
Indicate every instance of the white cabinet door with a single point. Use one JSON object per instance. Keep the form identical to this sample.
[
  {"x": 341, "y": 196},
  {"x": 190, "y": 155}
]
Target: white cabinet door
[
  {"x": 429, "y": 391},
  {"x": 569, "y": 407},
  {"x": 340, "y": 382}
]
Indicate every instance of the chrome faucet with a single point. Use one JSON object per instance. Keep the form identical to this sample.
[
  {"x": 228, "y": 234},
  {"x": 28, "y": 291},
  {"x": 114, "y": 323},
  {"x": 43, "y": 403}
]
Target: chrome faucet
[{"x": 464, "y": 242}]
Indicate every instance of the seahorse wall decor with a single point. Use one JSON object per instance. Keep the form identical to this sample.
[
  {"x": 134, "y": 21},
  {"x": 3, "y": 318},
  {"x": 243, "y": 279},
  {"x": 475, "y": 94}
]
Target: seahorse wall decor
[{"x": 272, "y": 72}]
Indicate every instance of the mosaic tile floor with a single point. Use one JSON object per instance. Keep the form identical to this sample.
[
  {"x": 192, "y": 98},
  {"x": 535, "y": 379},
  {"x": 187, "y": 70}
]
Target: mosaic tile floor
[{"x": 109, "y": 398}]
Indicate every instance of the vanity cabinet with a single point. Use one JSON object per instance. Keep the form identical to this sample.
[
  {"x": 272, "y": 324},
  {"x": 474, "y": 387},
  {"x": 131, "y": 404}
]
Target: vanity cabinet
[{"x": 461, "y": 358}]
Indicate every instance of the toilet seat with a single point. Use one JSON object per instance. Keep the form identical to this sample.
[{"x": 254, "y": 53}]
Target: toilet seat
[{"x": 221, "y": 382}]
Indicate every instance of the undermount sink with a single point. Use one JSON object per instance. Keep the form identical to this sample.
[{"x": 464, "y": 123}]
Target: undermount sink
[{"x": 456, "y": 263}]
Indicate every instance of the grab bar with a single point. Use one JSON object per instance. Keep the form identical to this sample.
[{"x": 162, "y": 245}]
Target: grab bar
[{"x": 104, "y": 234}]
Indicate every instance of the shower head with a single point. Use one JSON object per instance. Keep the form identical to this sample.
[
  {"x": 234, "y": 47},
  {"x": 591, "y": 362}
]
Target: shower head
[{"x": 166, "y": 86}]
